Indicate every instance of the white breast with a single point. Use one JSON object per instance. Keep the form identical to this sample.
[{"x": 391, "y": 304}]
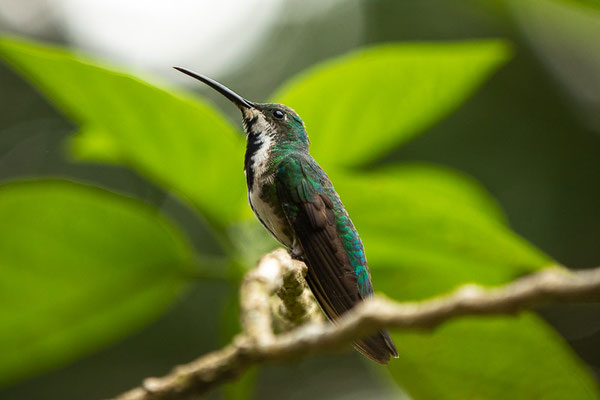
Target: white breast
[{"x": 267, "y": 216}]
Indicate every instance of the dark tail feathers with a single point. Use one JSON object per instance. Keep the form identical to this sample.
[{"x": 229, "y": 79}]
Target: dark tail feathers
[{"x": 378, "y": 347}]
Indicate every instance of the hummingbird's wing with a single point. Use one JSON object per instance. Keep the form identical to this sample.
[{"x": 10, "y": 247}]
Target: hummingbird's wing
[
  {"x": 331, "y": 277},
  {"x": 310, "y": 213}
]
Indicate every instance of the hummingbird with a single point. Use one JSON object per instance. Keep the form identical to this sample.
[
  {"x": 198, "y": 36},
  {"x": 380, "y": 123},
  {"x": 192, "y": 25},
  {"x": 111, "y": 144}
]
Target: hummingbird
[{"x": 295, "y": 201}]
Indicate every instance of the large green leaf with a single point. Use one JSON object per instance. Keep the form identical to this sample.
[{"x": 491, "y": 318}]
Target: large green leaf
[
  {"x": 424, "y": 222},
  {"x": 592, "y": 5},
  {"x": 361, "y": 105},
  {"x": 181, "y": 143},
  {"x": 491, "y": 358},
  {"x": 80, "y": 268},
  {"x": 428, "y": 230}
]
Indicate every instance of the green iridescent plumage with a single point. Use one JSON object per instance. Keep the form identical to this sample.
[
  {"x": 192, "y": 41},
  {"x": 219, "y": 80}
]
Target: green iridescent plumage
[{"x": 302, "y": 180}]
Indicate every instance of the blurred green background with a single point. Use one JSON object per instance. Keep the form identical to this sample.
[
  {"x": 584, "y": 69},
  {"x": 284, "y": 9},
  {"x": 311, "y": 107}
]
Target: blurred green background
[{"x": 530, "y": 135}]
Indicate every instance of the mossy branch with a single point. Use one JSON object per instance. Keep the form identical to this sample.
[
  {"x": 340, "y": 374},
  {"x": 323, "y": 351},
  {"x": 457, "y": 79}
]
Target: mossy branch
[{"x": 278, "y": 274}]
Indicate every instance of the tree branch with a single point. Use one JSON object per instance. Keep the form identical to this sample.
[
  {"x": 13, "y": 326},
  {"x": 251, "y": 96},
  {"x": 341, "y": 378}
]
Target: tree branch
[{"x": 278, "y": 274}]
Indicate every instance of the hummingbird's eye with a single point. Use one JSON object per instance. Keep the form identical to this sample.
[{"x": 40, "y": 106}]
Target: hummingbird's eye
[{"x": 278, "y": 114}]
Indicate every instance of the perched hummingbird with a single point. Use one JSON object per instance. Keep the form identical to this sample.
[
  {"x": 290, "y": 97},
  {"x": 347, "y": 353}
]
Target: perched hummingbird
[{"x": 295, "y": 201}]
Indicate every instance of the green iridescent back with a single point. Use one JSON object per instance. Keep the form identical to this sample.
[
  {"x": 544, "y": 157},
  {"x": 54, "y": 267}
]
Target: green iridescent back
[{"x": 310, "y": 179}]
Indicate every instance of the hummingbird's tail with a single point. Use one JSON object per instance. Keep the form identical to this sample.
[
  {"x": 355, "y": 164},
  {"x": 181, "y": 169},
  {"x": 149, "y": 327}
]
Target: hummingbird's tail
[{"x": 378, "y": 347}]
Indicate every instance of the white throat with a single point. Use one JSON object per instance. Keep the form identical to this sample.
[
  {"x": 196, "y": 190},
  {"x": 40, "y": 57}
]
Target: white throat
[
  {"x": 261, "y": 133},
  {"x": 260, "y": 159}
]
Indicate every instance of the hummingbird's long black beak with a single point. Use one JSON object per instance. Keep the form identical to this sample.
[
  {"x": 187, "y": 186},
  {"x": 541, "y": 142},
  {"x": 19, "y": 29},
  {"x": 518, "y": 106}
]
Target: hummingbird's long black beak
[{"x": 224, "y": 90}]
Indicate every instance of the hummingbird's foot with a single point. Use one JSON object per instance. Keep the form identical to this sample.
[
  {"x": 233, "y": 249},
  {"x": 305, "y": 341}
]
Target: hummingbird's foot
[{"x": 296, "y": 252}]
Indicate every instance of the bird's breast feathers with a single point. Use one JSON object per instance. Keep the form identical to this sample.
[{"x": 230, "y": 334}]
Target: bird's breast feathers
[{"x": 268, "y": 212}]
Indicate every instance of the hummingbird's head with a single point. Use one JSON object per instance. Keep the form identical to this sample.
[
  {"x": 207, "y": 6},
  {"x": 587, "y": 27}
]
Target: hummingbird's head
[{"x": 277, "y": 121}]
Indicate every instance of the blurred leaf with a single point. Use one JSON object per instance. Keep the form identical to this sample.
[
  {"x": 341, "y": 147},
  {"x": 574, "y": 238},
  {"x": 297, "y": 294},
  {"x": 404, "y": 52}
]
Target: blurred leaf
[
  {"x": 428, "y": 230},
  {"x": 241, "y": 388},
  {"x": 362, "y": 105},
  {"x": 433, "y": 228},
  {"x": 491, "y": 358},
  {"x": 592, "y": 5},
  {"x": 93, "y": 144},
  {"x": 181, "y": 143},
  {"x": 81, "y": 267}
]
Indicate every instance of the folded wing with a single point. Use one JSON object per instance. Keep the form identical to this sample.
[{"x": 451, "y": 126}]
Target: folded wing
[{"x": 330, "y": 275}]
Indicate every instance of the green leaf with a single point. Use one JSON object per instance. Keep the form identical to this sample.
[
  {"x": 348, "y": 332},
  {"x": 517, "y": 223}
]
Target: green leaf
[
  {"x": 243, "y": 387},
  {"x": 435, "y": 229},
  {"x": 363, "y": 104},
  {"x": 93, "y": 144},
  {"x": 591, "y": 5},
  {"x": 490, "y": 358},
  {"x": 428, "y": 230},
  {"x": 181, "y": 143},
  {"x": 81, "y": 268}
]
